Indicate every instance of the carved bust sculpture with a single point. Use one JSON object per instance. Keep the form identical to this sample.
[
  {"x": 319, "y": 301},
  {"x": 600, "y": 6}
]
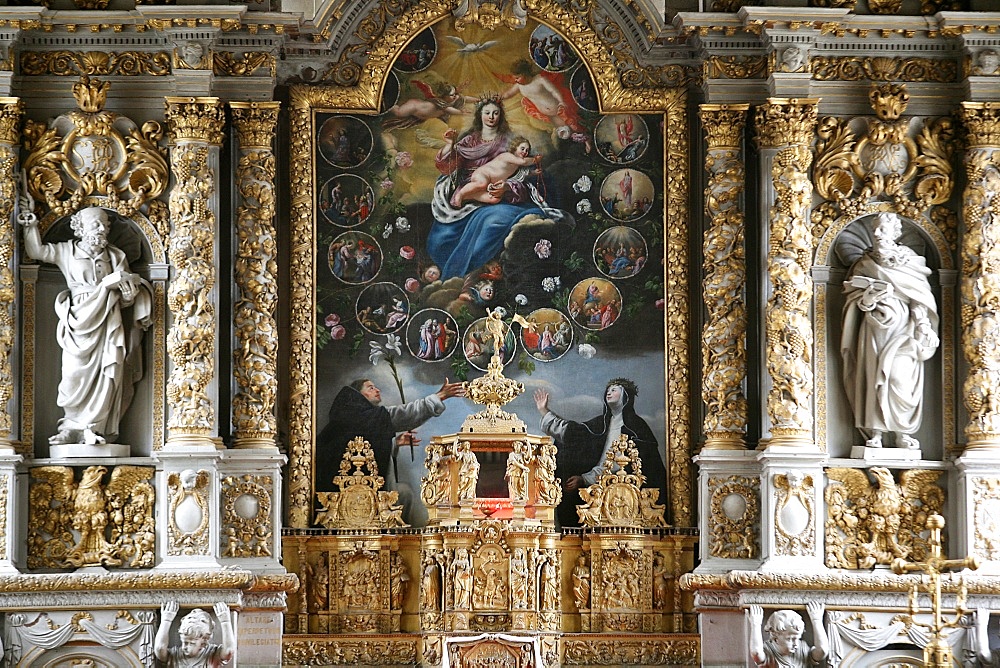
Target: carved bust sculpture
[
  {"x": 890, "y": 325},
  {"x": 100, "y": 338}
]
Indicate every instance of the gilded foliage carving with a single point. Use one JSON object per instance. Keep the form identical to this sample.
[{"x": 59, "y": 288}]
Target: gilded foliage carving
[
  {"x": 724, "y": 360},
  {"x": 735, "y": 67},
  {"x": 980, "y": 289},
  {"x": 227, "y": 63},
  {"x": 892, "y": 160},
  {"x": 683, "y": 651},
  {"x": 95, "y": 152},
  {"x": 871, "y": 523},
  {"x": 361, "y": 502},
  {"x": 350, "y": 652},
  {"x": 107, "y": 63},
  {"x": 4, "y": 497},
  {"x": 11, "y": 110},
  {"x": 788, "y": 126},
  {"x": 255, "y": 270},
  {"x": 90, "y": 522},
  {"x": 735, "y": 517},
  {"x": 883, "y": 68},
  {"x": 248, "y": 529},
  {"x": 195, "y": 125}
]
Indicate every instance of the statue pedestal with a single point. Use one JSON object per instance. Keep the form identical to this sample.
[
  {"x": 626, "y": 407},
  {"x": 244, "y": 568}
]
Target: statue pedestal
[
  {"x": 86, "y": 450},
  {"x": 10, "y": 511},
  {"x": 978, "y": 476},
  {"x": 884, "y": 455},
  {"x": 729, "y": 510}
]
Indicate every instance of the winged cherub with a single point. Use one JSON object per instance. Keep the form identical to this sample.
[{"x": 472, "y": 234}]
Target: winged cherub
[{"x": 442, "y": 100}]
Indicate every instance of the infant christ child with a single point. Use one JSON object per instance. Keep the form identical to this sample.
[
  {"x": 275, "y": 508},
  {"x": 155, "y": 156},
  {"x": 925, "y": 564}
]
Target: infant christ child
[{"x": 482, "y": 185}]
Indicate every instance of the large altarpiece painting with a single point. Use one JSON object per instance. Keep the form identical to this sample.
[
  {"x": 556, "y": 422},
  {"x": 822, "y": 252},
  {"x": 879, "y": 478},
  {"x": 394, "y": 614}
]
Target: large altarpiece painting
[{"x": 494, "y": 173}]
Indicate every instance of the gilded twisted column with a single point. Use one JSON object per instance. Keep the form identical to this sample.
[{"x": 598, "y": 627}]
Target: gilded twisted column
[
  {"x": 723, "y": 338},
  {"x": 195, "y": 127},
  {"x": 255, "y": 269},
  {"x": 980, "y": 271},
  {"x": 11, "y": 111},
  {"x": 785, "y": 130}
]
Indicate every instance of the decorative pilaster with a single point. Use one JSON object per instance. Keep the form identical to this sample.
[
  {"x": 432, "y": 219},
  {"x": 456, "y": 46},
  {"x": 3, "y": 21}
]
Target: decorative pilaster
[
  {"x": 724, "y": 359},
  {"x": 11, "y": 110},
  {"x": 195, "y": 132},
  {"x": 785, "y": 134},
  {"x": 980, "y": 264},
  {"x": 255, "y": 271}
]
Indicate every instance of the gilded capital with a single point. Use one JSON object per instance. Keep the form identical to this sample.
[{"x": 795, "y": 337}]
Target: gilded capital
[
  {"x": 11, "y": 110},
  {"x": 982, "y": 124},
  {"x": 786, "y": 122},
  {"x": 199, "y": 119},
  {"x": 255, "y": 122},
  {"x": 723, "y": 124}
]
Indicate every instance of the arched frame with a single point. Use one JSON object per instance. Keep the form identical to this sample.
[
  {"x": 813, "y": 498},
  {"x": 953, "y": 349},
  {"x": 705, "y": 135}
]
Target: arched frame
[{"x": 614, "y": 96}]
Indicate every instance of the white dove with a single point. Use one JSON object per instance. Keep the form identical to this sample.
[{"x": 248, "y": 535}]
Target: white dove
[{"x": 471, "y": 47}]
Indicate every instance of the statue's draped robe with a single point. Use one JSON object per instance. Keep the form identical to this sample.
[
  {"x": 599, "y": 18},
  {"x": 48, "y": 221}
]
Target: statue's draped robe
[
  {"x": 883, "y": 358},
  {"x": 101, "y": 347}
]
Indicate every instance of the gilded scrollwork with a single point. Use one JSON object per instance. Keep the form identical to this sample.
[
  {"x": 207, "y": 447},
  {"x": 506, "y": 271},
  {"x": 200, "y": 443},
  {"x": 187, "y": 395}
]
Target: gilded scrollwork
[
  {"x": 189, "y": 513},
  {"x": 980, "y": 289},
  {"x": 794, "y": 514},
  {"x": 661, "y": 651},
  {"x": 735, "y": 517},
  {"x": 871, "y": 523},
  {"x": 91, "y": 151},
  {"x": 248, "y": 530},
  {"x": 787, "y": 125},
  {"x": 255, "y": 270},
  {"x": 350, "y": 652},
  {"x": 100, "y": 63},
  {"x": 724, "y": 360},
  {"x": 618, "y": 498},
  {"x": 4, "y": 496},
  {"x": 195, "y": 126},
  {"x": 491, "y": 14},
  {"x": 227, "y": 63},
  {"x": 735, "y": 67},
  {"x": 90, "y": 522},
  {"x": 883, "y": 68},
  {"x": 361, "y": 502}
]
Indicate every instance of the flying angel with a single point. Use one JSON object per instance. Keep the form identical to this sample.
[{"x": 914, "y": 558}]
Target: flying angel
[{"x": 440, "y": 101}]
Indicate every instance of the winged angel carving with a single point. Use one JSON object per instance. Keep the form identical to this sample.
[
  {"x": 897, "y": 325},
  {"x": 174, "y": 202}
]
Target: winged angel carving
[
  {"x": 89, "y": 523},
  {"x": 871, "y": 523}
]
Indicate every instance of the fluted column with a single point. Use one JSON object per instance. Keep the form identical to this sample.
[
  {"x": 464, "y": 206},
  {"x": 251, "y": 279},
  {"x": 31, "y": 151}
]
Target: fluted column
[
  {"x": 11, "y": 110},
  {"x": 724, "y": 359},
  {"x": 255, "y": 273},
  {"x": 980, "y": 268},
  {"x": 195, "y": 131},
  {"x": 785, "y": 129}
]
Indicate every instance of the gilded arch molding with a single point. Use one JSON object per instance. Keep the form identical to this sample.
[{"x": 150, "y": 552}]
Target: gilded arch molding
[{"x": 623, "y": 86}]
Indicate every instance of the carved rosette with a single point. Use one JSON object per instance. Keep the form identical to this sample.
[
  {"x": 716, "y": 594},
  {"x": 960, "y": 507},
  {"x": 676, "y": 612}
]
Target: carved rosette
[
  {"x": 724, "y": 360},
  {"x": 735, "y": 517},
  {"x": 11, "y": 110},
  {"x": 195, "y": 130},
  {"x": 246, "y": 516},
  {"x": 255, "y": 271},
  {"x": 787, "y": 126},
  {"x": 980, "y": 269}
]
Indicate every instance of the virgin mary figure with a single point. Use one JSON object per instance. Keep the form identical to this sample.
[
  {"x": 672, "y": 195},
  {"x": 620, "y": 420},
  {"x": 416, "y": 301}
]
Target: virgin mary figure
[{"x": 468, "y": 236}]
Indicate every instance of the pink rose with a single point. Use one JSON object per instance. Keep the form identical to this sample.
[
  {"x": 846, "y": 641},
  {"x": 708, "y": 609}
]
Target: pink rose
[
  {"x": 386, "y": 184},
  {"x": 659, "y": 304},
  {"x": 411, "y": 285},
  {"x": 337, "y": 332},
  {"x": 407, "y": 252},
  {"x": 404, "y": 160},
  {"x": 332, "y": 319}
]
